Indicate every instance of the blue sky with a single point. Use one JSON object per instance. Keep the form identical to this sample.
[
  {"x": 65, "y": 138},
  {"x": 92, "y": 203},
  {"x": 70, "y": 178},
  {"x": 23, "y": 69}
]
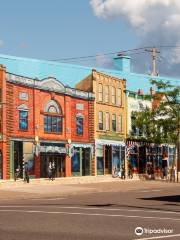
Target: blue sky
[{"x": 59, "y": 29}]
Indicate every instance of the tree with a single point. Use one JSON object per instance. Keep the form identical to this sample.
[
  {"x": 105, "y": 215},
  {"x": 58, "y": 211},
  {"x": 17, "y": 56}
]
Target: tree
[{"x": 161, "y": 124}]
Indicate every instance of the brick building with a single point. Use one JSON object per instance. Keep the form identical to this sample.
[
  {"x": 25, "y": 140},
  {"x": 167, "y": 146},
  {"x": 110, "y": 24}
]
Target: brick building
[
  {"x": 109, "y": 120},
  {"x": 43, "y": 121}
]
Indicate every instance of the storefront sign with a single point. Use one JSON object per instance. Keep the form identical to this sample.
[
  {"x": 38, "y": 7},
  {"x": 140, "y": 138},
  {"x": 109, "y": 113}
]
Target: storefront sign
[
  {"x": 53, "y": 149},
  {"x": 109, "y": 142}
]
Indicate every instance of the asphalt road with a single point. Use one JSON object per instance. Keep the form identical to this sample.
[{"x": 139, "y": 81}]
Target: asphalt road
[{"x": 90, "y": 211}]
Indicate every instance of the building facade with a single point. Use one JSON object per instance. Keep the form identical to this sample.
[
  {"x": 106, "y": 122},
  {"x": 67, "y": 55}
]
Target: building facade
[
  {"x": 109, "y": 120},
  {"x": 141, "y": 155},
  {"x": 43, "y": 121}
]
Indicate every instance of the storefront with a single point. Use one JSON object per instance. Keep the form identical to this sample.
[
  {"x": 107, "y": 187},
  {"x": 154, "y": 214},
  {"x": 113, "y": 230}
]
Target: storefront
[
  {"x": 21, "y": 152},
  {"x": 52, "y": 152},
  {"x": 143, "y": 156},
  {"x": 109, "y": 155},
  {"x": 81, "y": 157}
]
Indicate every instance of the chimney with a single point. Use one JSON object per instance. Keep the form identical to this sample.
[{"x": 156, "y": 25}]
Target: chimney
[
  {"x": 123, "y": 63},
  {"x": 152, "y": 92},
  {"x": 140, "y": 91}
]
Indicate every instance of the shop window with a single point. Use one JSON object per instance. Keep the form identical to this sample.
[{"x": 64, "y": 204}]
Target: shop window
[
  {"x": 100, "y": 120},
  {"x": 107, "y": 121},
  {"x": 100, "y": 162},
  {"x": 113, "y": 95},
  {"x": 100, "y": 92},
  {"x": 107, "y": 94},
  {"x": 114, "y": 122},
  {"x": 23, "y": 120},
  {"x": 52, "y": 118},
  {"x": 75, "y": 162},
  {"x": 79, "y": 124}
]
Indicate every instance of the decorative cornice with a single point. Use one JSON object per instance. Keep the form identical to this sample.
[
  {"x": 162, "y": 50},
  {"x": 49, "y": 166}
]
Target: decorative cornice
[{"x": 50, "y": 84}]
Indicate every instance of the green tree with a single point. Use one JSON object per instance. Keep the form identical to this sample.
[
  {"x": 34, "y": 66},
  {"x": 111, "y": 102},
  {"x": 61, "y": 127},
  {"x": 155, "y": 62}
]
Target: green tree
[{"x": 162, "y": 123}]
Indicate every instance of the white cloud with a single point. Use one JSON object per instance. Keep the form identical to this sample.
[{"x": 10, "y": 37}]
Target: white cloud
[{"x": 156, "y": 22}]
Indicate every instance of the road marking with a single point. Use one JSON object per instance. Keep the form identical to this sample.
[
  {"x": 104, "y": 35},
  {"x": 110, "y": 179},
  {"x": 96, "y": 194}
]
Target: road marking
[
  {"x": 48, "y": 199},
  {"x": 155, "y": 190},
  {"x": 88, "y": 214},
  {"x": 95, "y": 208},
  {"x": 158, "y": 237}
]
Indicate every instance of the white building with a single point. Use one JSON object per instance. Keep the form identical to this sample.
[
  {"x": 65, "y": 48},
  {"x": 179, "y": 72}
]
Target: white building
[{"x": 136, "y": 102}]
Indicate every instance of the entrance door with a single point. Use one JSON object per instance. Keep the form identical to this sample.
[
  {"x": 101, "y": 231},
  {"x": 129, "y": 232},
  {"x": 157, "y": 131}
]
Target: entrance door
[
  {"x": 142, "y": 159},
  {"x": 58, "y": 159},
  {"x": 18, "y": 157},
  {"x": 86, "y": 161},
  {"x": 108, "y": 160},
  {"x": 59, "y": 165}
]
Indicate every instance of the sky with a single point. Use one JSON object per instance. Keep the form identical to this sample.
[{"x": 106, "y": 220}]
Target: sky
[{"x": 59, "y": 29}]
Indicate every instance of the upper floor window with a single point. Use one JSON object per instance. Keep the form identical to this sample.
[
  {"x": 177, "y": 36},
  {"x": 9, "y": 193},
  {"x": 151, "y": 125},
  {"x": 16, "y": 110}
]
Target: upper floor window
[
  {"x": 120, "y": 123},
  {"x": 100, "y": 92},
  {"x": 107, "y": 93},
  {"x": 52, "y": 118},
  {"x": 23, "y": 116},
  {"x": 79, "y": 124},
  {"x": 23, "y": 120},
  {"x": 107, "y": 121},
  {"x": 119, "y": 97},
  {"x": 100, "y": 120},
  {"x": 113, "y": 95},
  {"x": 114, "y": 122}
]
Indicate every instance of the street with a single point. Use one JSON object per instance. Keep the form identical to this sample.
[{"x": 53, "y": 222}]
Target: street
[{"x": 109, "y": 210}]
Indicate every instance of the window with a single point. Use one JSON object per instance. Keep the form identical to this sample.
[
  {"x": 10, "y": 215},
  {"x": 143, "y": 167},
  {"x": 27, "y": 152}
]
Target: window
[
  {"x": 52, "y": 124},
  {"x": 113, "y": 95},
  {"x": 133, "y": 126},
  {"x": 100, "y": 91},
  {"x": 119, "y": 97},
  {"x": 114, "y": 122},
  {"x": 107, "y": 94},
  {"x": 120, "y": 123},
  {"x": 100, "y": 120},
  {"x": 107, "y": 121},
  {"x": 79, "y": 124},
  {"x": 52, "y": 118},
  {"x": 23, "y": 120}
]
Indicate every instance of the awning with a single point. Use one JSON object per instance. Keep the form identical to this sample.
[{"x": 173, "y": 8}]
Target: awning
[
  {"x": 109, "y": 142},
  {"x": 81, "y": 145}
]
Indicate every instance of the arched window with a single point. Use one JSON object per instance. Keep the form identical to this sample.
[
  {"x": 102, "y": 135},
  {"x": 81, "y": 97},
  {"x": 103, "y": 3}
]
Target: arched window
[
  {"x": 52, "y": 118},
  {"x": 79, "y": 124},
  {"x": 23, "y": 117}
]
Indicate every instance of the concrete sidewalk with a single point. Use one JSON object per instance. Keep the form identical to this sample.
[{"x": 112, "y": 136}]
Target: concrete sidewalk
[{"x": 64, "y": 180}]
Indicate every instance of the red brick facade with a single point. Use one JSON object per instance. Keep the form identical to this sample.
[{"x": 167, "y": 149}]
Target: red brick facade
[{"x": 36, "y": 102}]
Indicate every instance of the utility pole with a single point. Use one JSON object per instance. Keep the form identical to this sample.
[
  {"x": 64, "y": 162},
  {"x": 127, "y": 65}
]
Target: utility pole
[{"x": 154, "y": 53}]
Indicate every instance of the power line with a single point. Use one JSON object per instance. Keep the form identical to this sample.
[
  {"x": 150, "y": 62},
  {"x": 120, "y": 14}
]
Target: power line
[
  {"x": 113, "y": 53},
  {"x": 99, "y": 55}
]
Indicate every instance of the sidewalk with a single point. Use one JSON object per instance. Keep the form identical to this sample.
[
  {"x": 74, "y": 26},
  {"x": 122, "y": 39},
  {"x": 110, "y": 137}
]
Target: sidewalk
[{"x": 64, "y": 180}]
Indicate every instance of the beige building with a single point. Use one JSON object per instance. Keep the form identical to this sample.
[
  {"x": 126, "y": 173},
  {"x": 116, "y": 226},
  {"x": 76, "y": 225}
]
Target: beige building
[{"x": 110, "y": 120}]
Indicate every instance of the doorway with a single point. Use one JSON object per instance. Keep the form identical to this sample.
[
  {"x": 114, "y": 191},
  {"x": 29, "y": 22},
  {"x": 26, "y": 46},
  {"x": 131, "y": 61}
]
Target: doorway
[
  {"x": 86, "y": 168},
  {"x": 58, "y": 159},
  {"x": 142, "y": 159},
  {"x": 108, "y": 159},
  {"x": 18, "y": 158}
]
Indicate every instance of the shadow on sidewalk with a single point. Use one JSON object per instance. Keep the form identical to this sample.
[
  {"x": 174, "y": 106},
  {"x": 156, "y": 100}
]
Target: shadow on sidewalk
[{"x": 172, "y": 198}]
